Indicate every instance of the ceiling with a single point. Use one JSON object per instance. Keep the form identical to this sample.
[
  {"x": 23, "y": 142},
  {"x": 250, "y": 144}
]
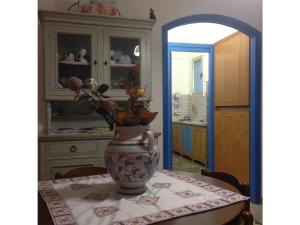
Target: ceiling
[{"x": 199, "y": 33}]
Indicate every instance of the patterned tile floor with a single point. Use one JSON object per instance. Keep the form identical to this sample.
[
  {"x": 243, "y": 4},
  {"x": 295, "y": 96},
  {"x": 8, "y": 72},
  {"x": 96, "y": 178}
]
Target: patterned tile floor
[{"x": 183, "y": 164}]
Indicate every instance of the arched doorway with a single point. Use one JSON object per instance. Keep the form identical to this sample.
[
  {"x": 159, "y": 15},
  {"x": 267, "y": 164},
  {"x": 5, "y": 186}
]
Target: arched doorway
[{"x": 255, "y": 96}]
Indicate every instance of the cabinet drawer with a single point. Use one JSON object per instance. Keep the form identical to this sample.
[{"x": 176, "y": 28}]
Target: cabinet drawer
[{"x": 72, "y": 148}]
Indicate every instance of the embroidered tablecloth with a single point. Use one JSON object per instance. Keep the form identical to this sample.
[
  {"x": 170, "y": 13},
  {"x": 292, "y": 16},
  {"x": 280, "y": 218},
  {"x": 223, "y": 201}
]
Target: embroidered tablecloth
[{"x": 95, "y": 200}]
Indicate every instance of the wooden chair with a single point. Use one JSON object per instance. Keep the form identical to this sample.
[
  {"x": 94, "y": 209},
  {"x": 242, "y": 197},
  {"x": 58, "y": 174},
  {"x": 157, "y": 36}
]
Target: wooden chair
[
  {"x": 246, "y": 217},
  {"x": 82, "y": 171},
  {"x": 244, "y": 189}
]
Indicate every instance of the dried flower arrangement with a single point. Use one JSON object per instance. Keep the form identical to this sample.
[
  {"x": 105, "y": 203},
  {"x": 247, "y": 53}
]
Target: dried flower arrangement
[{"x": 136, "y": 113}]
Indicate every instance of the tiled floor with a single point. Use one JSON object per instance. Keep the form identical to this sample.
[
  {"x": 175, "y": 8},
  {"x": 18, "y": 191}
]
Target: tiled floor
[
  {"x": 183, "y": 164},
  {"x": 256, "y": 210}
]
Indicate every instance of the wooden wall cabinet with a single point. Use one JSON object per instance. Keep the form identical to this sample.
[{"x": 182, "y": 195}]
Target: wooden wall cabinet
[
  {"x": 232, "y": 143},
  {"x": 113, "y": 45},
  {"x": 231, "y": 90},
  {"x": 231, "y": 70}
]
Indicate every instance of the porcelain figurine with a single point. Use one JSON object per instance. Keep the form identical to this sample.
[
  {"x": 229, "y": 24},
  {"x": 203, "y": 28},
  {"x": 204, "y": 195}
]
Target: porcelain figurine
[
  {"x": 70, "y": 57},
  {"x": 82, "y": 56}
]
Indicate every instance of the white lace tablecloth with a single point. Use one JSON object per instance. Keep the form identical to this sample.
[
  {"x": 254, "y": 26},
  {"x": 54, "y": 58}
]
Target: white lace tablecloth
[{"x": 95, "y": 200}]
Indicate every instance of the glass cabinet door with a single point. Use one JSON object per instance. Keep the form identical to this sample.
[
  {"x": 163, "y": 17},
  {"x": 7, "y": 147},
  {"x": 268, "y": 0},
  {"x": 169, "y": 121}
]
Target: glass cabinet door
[
  {"x": 124, "y": 60},
  {"x": 74, "y": 58},
  {"x": 72, "y": 54}
]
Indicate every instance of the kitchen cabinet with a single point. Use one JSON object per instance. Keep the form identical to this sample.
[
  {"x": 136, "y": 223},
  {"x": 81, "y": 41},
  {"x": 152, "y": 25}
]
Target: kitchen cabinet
[
  {"x": 232, "y": 143},
  {"x": 190, "y": 141},
  {"x": 231, "y": 70},
  {"x": 187, "y": 141},
  {"x": 177, "y": 138},
  {"x": 104, "y": 48},
  {"x": 231, "y": 91},
  {"x": 199, "y": 144}
]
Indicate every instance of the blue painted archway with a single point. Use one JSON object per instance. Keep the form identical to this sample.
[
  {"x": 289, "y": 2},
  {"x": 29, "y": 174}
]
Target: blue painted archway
[{"x": 255, "y": 96}]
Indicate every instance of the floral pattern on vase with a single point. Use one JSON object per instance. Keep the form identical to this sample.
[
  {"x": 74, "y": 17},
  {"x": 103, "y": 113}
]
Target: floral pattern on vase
[{"x": 132, "y": 158}]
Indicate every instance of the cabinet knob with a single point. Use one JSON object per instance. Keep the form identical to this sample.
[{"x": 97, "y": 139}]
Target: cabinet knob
[
  {"x": 73, "y": 148},
  {"x": 95, "y": 62},
  {"x": 105, "y": 62}
]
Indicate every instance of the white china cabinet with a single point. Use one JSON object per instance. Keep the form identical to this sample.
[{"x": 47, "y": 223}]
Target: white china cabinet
[{"x": 87, "y": 46}]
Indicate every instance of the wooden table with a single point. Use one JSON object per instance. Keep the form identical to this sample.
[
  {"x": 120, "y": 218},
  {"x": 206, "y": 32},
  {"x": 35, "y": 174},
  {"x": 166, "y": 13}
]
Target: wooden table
[{"x": 214, "y": 217}]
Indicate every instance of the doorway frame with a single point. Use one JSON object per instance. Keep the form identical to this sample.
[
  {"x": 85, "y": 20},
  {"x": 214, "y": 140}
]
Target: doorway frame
[
  {"x": 255, "y": 95},
  {"x": 206, "y": 48}
]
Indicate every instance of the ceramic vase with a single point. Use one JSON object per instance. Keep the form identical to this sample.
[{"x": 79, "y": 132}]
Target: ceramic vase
[{"x": 132, "y": 158}]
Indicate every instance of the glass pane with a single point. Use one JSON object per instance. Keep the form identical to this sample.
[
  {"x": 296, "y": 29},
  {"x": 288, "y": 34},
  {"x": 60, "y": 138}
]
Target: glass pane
[
  {"x": 74, "y": 57},
  {"x": 124, "y": 62}
]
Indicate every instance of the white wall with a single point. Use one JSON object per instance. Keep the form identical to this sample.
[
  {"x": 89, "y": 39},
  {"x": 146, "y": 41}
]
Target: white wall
[
  {"x": 201, "y": 33},
  {"x": 166, "y": 11},
  {"x": 205, "y": 72},
  {"x": 182, "y": 73}
]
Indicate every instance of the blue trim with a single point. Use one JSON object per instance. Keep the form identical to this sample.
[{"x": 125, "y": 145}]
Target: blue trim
[
  {"x": 255, "y": 96},
  {"x": 186, "y": 47},
  {"x": 255, "y": 119},
  {"x": 187, "y": 139},
  {"x": 210, "y": 116},
  {"x": 167, "y": 108}
]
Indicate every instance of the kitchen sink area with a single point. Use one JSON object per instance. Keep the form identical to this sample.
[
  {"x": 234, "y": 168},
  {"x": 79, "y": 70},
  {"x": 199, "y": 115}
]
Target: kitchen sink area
[{"x": 192, "y": 122}]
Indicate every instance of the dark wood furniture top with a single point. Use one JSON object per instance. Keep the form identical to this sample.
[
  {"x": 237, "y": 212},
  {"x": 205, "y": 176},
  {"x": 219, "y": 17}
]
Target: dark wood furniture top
[
  {"x": 82, "y": 171},
  {"x": 243, "y": 188},
  {"x": 246, "y": 217},
  {"x": 218, "y": 216}
]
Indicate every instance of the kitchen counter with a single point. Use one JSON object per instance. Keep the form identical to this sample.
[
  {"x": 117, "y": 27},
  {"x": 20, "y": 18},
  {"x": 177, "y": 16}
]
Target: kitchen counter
[
  {"x": 195, "y": 123},
  {"x": 80, "y": 136}
]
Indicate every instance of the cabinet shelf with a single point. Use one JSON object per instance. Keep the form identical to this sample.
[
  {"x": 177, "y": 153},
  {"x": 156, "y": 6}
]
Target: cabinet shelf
[
  {"x": 74, "y": 63},
  {"x": 78, "y": 117},
  {"x": 123, "y": 65}
]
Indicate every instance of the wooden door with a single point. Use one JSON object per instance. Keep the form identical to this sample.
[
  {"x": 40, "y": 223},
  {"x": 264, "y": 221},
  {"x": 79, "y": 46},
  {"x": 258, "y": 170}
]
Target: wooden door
[
  {"x": 232, "y": 143},
  {"x": 232, "y": 71}
]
